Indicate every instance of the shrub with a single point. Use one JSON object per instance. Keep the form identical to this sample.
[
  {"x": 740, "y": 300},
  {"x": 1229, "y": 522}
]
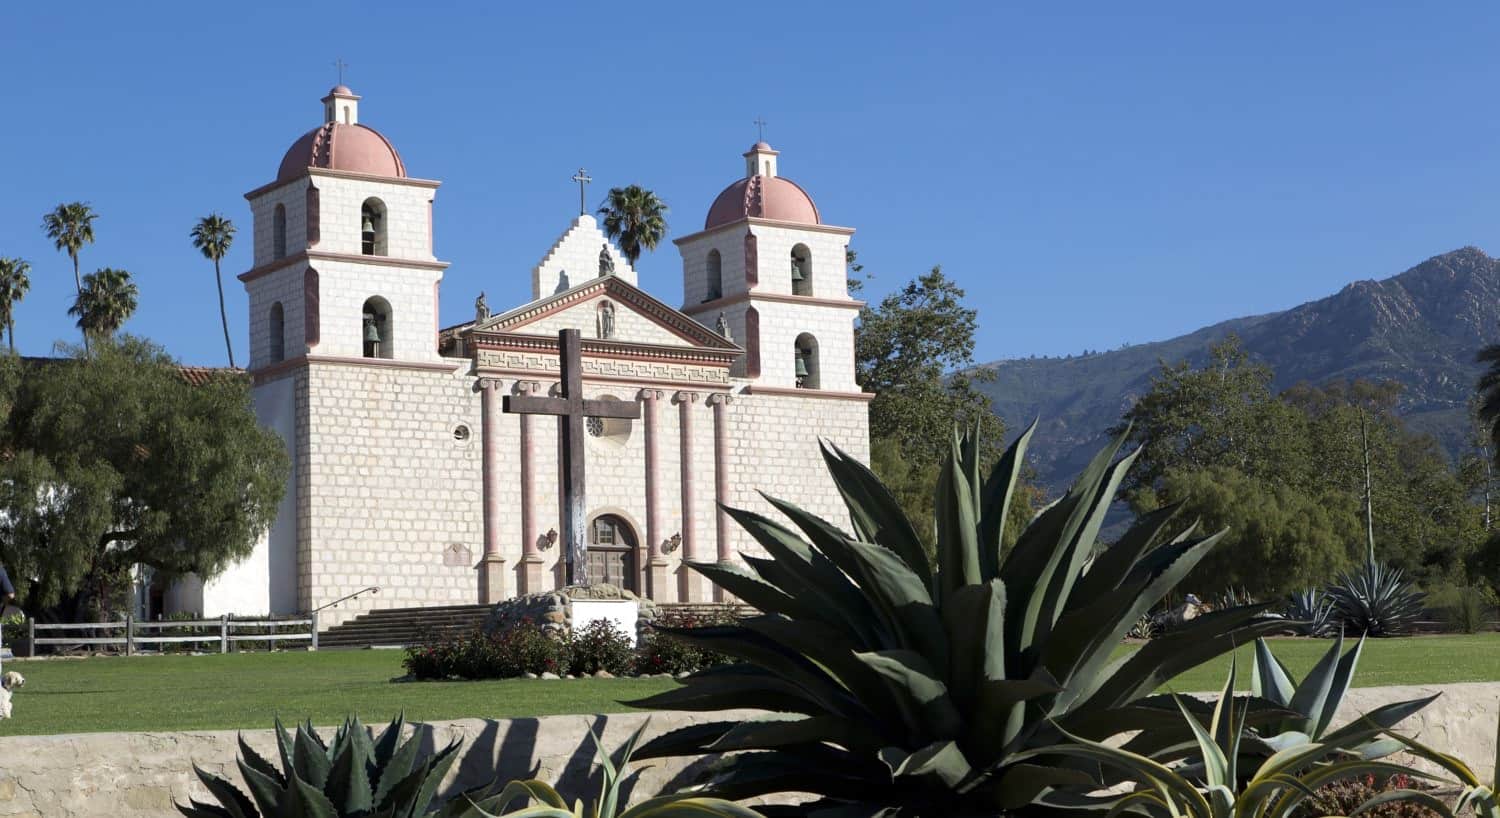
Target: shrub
[
  {"x": 600, "y": 646},
  {"x": 515, "y": 651},
  {"x": 1464, "y": 609},
  {"x": 663, "y": 652},
  {"x": 12, "y": 629}
]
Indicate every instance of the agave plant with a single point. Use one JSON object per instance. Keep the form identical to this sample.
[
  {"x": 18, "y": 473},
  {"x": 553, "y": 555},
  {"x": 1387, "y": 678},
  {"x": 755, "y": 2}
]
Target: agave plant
[
  {"x": 1310, "y": 612},
  {"x": 354, "y": 777},
  {"x": 1211, "y": 785},
  {"x": 540, "y": 800},
  {"x": 901, "y": 688},
  {"x": 1311, "y": 704},
  {"x": 1377, "y": 600}
]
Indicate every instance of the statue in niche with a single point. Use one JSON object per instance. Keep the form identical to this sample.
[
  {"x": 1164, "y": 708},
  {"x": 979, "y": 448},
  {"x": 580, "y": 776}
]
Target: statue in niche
[
  {"x": 721, "y": 326},
  {"x": 606, "y": 262},
  {"x": 481, "y": 308},
  {"x": 606, "y": 320},
  {"x": 562, "y": 281}
]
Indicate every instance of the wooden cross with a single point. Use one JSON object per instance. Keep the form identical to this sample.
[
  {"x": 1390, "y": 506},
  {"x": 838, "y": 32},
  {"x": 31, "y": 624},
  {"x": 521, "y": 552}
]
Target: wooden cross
[
  {"x": 760, "y": 129},
  {"x": 582, "y": 178},
  {"x": 340, "y": 65},
  {"x": 571, "y": 410}
]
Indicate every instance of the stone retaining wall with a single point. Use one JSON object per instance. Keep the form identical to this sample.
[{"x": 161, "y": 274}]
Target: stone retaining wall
[{"x": 138, "y": 775}]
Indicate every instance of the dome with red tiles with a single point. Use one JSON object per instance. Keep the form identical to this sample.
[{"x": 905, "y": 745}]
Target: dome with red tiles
[
  {"x": 762, "y": 194},
  {"x": 341, "y": 143}
]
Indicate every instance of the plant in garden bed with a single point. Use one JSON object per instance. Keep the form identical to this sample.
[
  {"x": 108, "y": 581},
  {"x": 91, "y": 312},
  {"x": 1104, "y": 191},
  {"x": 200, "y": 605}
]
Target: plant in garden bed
[
  {"x": 354, "y": 777},
  {"x": 908, "y": 689},
  {"x": 662, "y": 652},
  {"x": 1211, "y": 784},
  {"x": 540, "y": 800},
  {"x": 600, "y": 645},
  {"x": 1310, "y": 706}
]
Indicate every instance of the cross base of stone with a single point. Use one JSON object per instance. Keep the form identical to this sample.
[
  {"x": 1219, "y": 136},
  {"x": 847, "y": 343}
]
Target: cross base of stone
[{"x": 491, "y": 579}]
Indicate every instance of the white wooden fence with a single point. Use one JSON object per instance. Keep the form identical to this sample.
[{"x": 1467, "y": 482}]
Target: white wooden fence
[{"x": 132, "y": 635}]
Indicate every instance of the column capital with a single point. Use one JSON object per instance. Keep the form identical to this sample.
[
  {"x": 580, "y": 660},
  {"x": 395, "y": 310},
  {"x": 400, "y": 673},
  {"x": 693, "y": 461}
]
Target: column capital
[
  {"x": 651, "y": 394},
  {"x": 491, "y": 384},
  {"x": 719, "y": 399},
  {"x": 525, "y": 387},
  {"x": 685, "y": 397}
]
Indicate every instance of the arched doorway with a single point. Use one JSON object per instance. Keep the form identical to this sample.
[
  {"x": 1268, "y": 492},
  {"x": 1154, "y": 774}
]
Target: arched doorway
[{"x": 612, "y": 552}]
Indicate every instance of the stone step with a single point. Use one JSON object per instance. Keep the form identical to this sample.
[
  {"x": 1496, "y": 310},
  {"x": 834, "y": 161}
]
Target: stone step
[{"x": 403, "y": 626}]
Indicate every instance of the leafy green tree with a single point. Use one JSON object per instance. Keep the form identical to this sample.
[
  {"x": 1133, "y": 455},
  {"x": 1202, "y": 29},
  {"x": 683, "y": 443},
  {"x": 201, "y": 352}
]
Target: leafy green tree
[
  {"x": 1221, "y": 414},
  {"x": 213, "y": 235},
  {"x": 107, "y": 301},
  {"x": 71, "y": 226},
  {"x": 13, "y": 286},
  {"x": 1278, "y": 538},
  {"x": 635, "y": 218},
  {"x": 915, "y": 351},
  {"x": 116, "y": 461}
]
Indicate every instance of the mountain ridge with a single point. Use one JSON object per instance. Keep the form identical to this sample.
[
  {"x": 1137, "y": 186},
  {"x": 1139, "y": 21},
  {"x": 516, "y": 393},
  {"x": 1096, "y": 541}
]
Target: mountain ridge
[{"x": 1420, "y": 327}]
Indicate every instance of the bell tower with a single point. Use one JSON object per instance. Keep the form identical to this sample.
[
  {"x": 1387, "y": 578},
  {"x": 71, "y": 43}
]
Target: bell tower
[
  {"x": 344, "y": 263},
  {"x": 767, "y": 264}
]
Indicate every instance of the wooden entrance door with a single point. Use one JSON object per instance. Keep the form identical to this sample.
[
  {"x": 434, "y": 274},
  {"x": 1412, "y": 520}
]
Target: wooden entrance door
[{"x": 612, "y": 550}]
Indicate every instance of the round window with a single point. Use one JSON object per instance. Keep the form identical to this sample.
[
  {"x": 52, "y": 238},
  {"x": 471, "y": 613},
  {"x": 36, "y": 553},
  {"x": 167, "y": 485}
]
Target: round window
[{"x": 461, "y": 433}]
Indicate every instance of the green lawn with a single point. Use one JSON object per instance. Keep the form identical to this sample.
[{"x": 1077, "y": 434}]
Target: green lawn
[{"x": 249, "y": 690}]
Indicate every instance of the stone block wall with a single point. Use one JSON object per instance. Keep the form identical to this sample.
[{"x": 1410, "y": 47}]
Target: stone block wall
[
  {"x": 389, "y": 487},
  {"x": 140, "y": 775}
]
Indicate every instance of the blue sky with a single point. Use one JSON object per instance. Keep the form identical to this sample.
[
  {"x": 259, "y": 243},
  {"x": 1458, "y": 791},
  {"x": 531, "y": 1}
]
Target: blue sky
[{"x": 1092, "y": 173}]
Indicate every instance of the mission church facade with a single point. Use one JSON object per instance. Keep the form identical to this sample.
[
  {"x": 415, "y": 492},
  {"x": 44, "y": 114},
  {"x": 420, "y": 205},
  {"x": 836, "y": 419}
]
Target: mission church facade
[{"x": 406, "y": 473}]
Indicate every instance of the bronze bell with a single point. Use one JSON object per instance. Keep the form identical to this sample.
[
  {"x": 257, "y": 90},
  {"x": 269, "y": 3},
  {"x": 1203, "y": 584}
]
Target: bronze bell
[
  {"x": 372, "y": 329},
  {"x": 801, "y": 364}
]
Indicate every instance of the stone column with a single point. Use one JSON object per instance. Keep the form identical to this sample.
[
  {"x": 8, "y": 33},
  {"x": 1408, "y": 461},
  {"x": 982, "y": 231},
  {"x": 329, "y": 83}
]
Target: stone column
[
  {"x": 657, "y": 583},
  {"x": 720, "y": 403},
  {"x": 690, "y": 581},
  {"x": 531, "y": 558},
  {"x": 492, "y": 565}
]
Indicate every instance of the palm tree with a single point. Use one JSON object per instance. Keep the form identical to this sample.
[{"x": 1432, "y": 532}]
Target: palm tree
[
  {"x": 1487, "y": 408},
  {"x": 636, "y": 218},
  {"x": 71, "y": 226},
  {"x": 213, "y": 234},
  {"x": 107, "y": 300},
  {"x": 13, "y": 286}
]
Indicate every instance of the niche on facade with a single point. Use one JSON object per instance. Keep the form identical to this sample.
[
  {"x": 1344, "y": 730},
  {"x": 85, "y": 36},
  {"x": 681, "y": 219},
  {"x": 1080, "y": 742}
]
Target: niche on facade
[
  {"x": 715, "y": 276},
  {"x": 802, "y": 270},
  {"x": 276, "y": 334}
]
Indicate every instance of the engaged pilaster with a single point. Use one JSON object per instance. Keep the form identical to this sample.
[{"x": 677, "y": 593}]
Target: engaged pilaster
[
  {"x": 690, "y": 581},
  {"x": 657, "y": 582},
  {"x": 531, "y": 575},
  {"x": 720, "y": 403},
  {"x": 492, "y": 565}
]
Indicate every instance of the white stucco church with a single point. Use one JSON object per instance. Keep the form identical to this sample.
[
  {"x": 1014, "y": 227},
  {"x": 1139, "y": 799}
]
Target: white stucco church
[{"x": 406, "y": 473}]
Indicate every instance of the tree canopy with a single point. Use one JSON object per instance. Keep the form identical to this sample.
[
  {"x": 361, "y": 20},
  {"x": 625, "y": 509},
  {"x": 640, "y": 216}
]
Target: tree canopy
[
  {"x": 1217, "y": 438},
  {"x": 115, "y": 460},
  {"x": 915, "y": 351}
]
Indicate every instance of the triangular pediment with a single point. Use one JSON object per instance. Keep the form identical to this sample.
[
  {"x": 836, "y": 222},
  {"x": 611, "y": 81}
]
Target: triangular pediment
[{"x": 637, "y": 318}]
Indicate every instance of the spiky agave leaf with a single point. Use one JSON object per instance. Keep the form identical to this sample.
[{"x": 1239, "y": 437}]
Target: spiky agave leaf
[{"x": 942, "y": 678}]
